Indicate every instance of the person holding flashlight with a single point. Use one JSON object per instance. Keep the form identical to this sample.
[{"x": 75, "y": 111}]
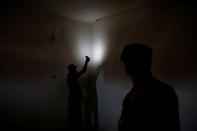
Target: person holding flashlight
[{"x": 74, "y": 99}]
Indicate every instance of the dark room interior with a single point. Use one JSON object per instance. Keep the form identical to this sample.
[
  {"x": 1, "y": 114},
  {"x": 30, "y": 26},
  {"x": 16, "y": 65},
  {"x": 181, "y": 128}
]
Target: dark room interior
[{"x": 40, "y": 38}]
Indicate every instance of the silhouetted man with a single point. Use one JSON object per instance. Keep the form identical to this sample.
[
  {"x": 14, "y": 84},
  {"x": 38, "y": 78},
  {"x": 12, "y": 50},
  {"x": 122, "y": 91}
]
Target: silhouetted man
[
  {"x": 91, "y": 101},
  {"x": 151, "y": 105},
  {"x": 74, "y": 99}
]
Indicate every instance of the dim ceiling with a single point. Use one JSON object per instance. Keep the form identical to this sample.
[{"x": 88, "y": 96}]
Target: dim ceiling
[{"x": 84, "y": 10}]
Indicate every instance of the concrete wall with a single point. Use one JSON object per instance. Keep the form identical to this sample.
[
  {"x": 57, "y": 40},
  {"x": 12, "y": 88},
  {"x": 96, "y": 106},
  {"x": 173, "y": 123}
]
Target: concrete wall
[{"x": 30, "y": 95}]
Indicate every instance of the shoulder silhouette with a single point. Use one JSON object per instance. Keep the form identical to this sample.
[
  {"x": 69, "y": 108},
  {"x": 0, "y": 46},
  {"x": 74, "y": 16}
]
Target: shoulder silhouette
[{"x": 151, "y": 104}]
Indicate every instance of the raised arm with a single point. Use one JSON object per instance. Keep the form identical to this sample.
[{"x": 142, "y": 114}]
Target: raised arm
[{"x": 84, "y": 67}]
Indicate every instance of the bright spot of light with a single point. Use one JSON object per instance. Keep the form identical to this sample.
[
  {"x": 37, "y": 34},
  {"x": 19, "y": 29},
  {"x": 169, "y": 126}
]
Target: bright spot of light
[
  {"x": 98, "y": 51},
  {"x": 92, "y": 47},
  {"x": 83, "y": 49}
]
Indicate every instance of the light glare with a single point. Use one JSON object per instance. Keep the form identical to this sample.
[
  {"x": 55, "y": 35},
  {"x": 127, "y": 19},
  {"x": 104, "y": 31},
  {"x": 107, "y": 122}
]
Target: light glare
[
  {"x": 95, "y": 50},
  {"x": 98, "y": 52}
]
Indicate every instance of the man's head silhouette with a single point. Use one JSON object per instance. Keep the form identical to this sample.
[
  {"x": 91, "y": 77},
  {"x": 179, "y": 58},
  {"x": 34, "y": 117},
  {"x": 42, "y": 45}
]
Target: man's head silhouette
[
  {"x": 150, "y": 100},
  {"x": 72, "y": 68},
  {"x": 137, "y": 59}
]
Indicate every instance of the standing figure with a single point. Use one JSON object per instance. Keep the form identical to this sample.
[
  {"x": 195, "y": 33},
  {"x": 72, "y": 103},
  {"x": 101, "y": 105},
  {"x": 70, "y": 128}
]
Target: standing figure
[
  {"x": 91, "y": 101},
  {"x": 74, "y": 99},
  {"x": 151, "y": 105}
]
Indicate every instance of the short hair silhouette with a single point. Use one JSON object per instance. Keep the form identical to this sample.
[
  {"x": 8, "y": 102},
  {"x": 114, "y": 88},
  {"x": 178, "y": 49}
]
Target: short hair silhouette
[
  {"x": 134, "y": 50},
  {"x": 137, "y": 59},
  {"x": 71, "y": 66}
]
